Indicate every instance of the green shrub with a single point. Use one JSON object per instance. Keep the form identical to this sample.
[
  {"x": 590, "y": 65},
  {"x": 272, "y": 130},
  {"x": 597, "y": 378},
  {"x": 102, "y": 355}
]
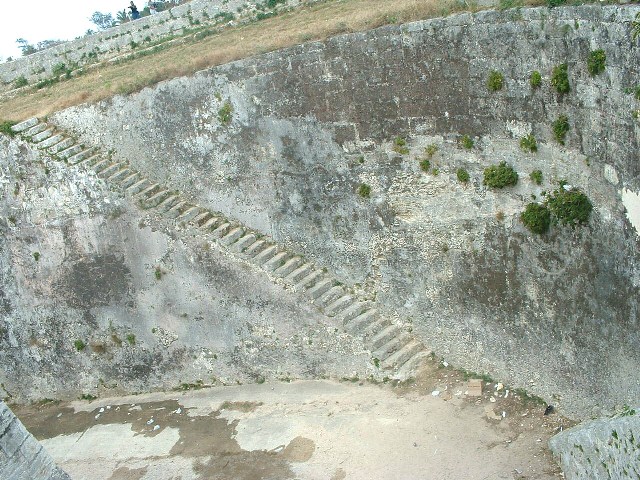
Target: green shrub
[
  {"x": 133, "y": 45},
  {"x": 273, "y": 3},
  {"x": 495, "y": 81},
  {"x": 364, "y": 190},
  {"x": 536, "y": 218},
  {"x": 79, "y": 344},
  {"x": 560, "y": 79},
  {"x": 555, "y": 3},
  {"x": 570, "y": 207},
  {"x": 400, "y": 146},
  {"x": 535, "y": 80},
  {"x": 158, "y": 273},
  {"x": 500, "y": 176},
  {"x": 225, "y": 113},
  {"x": 432, "y": 148},
  {"x": 36, "y": 256},
  {"x": 596, "y": 62},
  {"x": 462, "y": 175},
  {"x": 466, "y": 142},
  {"x": 60, "y": 69},
  {"x": 529, "y": 144},
  {"x": 425, "y": 165},
  {"x": 20, "y": 82},
  {"x": 637, "y": 93},
  {"x": 5, "y": 128},
  {"x": 536, "y": 177},
  {"x": 560, "y": 128},
  {"x": 264, "y": 16},
  {"x": 131, "y": 338}
]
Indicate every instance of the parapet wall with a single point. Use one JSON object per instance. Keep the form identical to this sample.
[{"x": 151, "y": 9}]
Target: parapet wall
[
  {"x": 117, "y": 41},
  {"x": 555, "y": 314}
]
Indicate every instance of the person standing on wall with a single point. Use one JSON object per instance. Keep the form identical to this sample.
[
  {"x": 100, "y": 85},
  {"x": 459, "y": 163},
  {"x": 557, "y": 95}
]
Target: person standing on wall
[{"x": 134, "y": 11}]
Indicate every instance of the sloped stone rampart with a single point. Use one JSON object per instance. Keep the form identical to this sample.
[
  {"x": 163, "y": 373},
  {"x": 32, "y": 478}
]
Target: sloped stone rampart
[
  {"x": 21, "y": 455},
  {"x": 451, "y": 262},
  {"x": 603, "y": 448}
]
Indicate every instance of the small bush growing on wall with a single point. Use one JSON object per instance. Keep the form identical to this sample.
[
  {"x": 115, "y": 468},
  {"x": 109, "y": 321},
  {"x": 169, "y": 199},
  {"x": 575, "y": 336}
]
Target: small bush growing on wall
[
  {"x": 20, "y": 82},
  {"x": 364, "y": 190},
  {"x": 225, "y": 113},
  {"x": 535, "y": 80},
  {"x": 131, "y": 339},
  {"x": 500, "y": 176},
  {"x": 466, "y": 142},
  {"x": 637, "y": 93},
  {"x": 536, "y": 218},
  {"x": 536, "y": 177},
  {"x": 400, "y": 146},
  {"x": 432, "y": 148},
  {"x": 495, "y": 81},
  {"x": 5, "y": 128},
  {"x": 560, "y": 79},
  {"x": 560, "y": 128},
  {"x": 555, "y": 3},
  {"x": 79, "y": 344},
  {"x": 529, "y": 144},
  {"x": 570, "y": 206},
  {"x": 462, "y": 175},
  {"x": 596, "y": 62},
  {"x": 425, "y": 165}
]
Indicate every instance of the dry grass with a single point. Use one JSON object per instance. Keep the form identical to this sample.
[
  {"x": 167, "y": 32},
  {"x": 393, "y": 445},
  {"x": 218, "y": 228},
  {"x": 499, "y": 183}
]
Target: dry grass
[{"x": 315, "y": 22}]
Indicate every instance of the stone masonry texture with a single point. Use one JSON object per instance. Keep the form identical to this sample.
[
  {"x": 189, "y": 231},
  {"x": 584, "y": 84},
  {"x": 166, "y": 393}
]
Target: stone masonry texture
[{"x": 21, "y": 455}]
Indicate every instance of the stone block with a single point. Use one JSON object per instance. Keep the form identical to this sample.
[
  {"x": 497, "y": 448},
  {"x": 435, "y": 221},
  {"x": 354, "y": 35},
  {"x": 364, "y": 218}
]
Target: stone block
[{"x": 474, "y": 388}]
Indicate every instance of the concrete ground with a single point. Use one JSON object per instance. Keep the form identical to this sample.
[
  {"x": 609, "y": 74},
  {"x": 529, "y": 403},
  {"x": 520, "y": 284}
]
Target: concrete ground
[{"x": 329, "y": 430}]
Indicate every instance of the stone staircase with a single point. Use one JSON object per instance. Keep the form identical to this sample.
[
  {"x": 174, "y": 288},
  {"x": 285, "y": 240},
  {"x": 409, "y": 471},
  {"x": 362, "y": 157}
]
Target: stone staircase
[{"x": 393, "y": 350}]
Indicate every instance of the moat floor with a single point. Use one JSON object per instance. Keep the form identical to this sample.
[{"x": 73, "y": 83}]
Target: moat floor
[{"x": 300, "y": 430}]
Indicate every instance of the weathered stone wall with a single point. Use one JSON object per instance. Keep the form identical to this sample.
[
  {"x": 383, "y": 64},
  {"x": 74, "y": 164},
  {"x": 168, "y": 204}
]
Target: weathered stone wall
[
  {"x": 116, "y": 41},
  {"x": 79, "y": 263},
  {"x": 21, "y": 455},
  {"x": 603, "y": 448},
  {"x": 557, "y": 314}
]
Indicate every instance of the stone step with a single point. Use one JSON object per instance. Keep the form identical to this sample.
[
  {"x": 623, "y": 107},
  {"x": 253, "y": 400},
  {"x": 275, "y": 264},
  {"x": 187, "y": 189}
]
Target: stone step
[
  {"x": 39, "y": 137},
  {"x": 70, "y": 152},
  {"x": 168, "y": 203},
  {"x": 265, "y": 255},
  {"x": 188, "y": 214},
  {"x": 383, "y": 336},
  {"x": 62, "y": 145},
  {"x": 138, "y": 186},
  {"x": 356, "y": 315},
  {"x": 93, "y": 159},
  {"x": 50, "y": 142},
  {"x": 222, "y": 230},
  {"x": 339, "y": 304},
  {"x": 298, "y": 273},
  {"x": 111, "y": 169},
  {"x": 120, "y": 174},
  {"x": 22, "y": 126},
  {"x": 320, "y": 288},
  {"x": 198, "y": 220},
  {"x": 403, "y": 354},
  {"x": 212, "y": 222},
  {"x": 409, "y": 367},
  {"x": 148, "y": 191},
  {"x": 243, "y": 242},
  {"x": 101, "y": 164},
  {"x": 157, "y": 198},
  {"x": 330, "y": 295},
  {"x": 352, "y": 311},
  {"x": 255, "y": 248},
  {"x": 288, "y": 267},
  {"x": 373, "y": 328},
  {"x": 176, "y": 208},
  {"x": 130, "y": 180},
  {"x": 278, "y": 260},
  {"x": 36, "y": 129},
  {"x": 391, "y": 347},
  {"x": 79, "y": 157},
  {"x": 309, "y": 280},
  {"x": 232, "y": 235}
]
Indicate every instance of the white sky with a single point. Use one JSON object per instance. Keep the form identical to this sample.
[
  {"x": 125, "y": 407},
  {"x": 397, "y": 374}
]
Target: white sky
[{"x": 38, "y": 20}]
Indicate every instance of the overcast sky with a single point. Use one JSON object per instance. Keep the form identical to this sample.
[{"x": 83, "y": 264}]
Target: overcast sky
[{"x": 38, "y": 20}]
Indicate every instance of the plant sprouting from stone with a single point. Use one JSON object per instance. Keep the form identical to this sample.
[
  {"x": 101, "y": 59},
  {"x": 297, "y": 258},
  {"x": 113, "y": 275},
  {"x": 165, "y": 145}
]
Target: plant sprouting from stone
[
  {"x": 495, "y": 81},
  {"x": 596, "y": 62},
  {"x": 560, "y": 129},
  {"x": 529, "y": 144},
  {"x": 560, "y": 79}
]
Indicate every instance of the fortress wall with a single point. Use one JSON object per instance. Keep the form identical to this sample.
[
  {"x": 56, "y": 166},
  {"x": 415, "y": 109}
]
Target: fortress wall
[
  {"x": 78, "y": 263},
  {"x": 556, "y": 314}
]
